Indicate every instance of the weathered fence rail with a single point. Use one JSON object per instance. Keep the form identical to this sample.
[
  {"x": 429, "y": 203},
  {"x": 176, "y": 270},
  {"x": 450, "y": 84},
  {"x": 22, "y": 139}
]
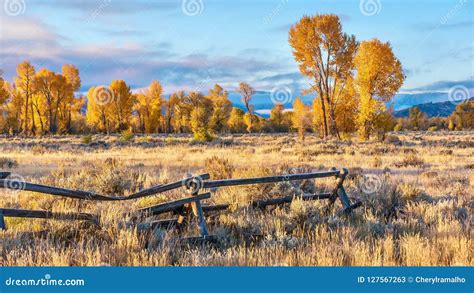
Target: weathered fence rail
[{"x": 184, "y": 208}]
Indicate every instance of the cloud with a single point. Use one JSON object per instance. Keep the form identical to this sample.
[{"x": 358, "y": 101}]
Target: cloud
[
  {"x": 443, "y": 86},
  {"x": 109, "y": 6},
  {"x": 446, "y": 26}
]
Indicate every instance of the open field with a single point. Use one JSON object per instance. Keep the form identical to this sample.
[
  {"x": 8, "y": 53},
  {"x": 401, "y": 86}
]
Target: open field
[{"x": 417, "y": 200}]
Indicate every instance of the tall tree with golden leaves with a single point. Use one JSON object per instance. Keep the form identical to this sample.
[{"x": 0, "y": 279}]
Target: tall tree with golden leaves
[
  {"x": 221, "y": 108},
  {"x": 122, "y": 104},
  {"x": 4, "y": 96},
  {"x": 99, "y": 109},
  {"x": 69, "y": 107},
  {"x": 236, "y": 121},
  {"x": 379, "y": 77},
  {"x": 300, "y": 117},
  {"x": 325, "y": 56},
  {"x": 24, "y": 84},
  {"x": 247, "y": 92},
  {"x": 148, "y": 108}
]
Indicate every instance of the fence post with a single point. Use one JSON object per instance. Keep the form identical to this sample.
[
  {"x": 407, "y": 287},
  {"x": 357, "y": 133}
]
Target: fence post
[
  {"x": 340, "y": 180},
  {"x": 199, "y": 214},
  {"x": 2, "y": 221}
]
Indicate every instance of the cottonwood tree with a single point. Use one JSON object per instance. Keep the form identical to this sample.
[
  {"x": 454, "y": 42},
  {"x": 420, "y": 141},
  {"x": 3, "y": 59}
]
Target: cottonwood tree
[
  {"x": 221, "y": 108},
  {"x": 463, "y": 116},
  {"x": 170, "y": 112},
  {"x": 279, "y": 121},
  {"x": 325, "y": 55},
  {"x": 148, "y": 108},
  {"x": 247, "y": 92},
  {"x": 200, "y": 116},
  {"x": 53, "y": 101},
  {"x": 300, "y": 117},
  {"x": 4, "y": 97},
  {"x": 379, "y": 77},
  {"x": 416, "y": 117},
  {"x": 72, "y": 106},
  {"x": 236, "y": 121},
  {"x": 122, "y": 104},
  {"x": 24, "y": 85},
  {"x": 99, "y": 110}
]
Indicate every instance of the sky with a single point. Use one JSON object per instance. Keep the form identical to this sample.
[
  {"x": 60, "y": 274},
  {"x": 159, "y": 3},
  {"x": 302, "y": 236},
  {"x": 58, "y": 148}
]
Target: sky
[{"x": 193, "y": 44}]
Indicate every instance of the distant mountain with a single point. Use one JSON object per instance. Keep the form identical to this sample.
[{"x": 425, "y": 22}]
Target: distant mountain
[
  {"x": 406, "y": 100},
  {"x": 263, "y": 100},
  {"x": 441, "y": 109}
]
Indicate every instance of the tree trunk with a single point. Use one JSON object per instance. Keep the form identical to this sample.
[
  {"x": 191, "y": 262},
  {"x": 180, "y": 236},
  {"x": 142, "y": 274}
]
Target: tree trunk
[{"x": 325, "y": 124}]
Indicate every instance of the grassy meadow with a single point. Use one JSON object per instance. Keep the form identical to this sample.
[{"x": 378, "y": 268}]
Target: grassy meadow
[{"x": 416, "y": 189}]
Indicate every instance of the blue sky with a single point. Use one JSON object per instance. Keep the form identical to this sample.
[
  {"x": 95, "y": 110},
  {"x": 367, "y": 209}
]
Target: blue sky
[{"x": 194, "y": 44}]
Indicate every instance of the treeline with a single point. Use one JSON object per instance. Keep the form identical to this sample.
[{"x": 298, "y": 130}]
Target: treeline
[
  {"x": 462, "y": 118},
  {"x": 43, "y": 102}
]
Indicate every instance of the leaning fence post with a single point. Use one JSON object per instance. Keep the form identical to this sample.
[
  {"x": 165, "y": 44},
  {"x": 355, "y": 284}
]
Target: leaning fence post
[
  {"x": 2, "y": 221},
  {"x": 340, "y": 180},
  {"x": 199, "y": 214}
]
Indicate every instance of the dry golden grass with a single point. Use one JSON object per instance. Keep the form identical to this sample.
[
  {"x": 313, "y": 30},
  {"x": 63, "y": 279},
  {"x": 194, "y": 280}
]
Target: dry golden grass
[{"x": 421, "y": 213}]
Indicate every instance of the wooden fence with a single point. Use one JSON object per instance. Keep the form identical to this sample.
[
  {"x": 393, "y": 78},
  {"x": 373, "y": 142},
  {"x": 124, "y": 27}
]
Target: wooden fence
[{"x": 185, "y": 208}]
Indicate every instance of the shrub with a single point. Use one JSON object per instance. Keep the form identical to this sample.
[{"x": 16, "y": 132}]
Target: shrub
[
  {"x": 392, "y": 139},
  {"x": 410, "y": 160},
  {"x": 202, "y": 135},
  {"x": 86, "y": 139},
  {"x": 8, "y": 163},
  {"x": 377, "y": 163},
  {"x": 126, "y": 135},
  {"x": 219, "y": 168},
  {"x": 109, "y": 177},
  {"x": 433, "y": 128},
  {"x": 409, "y": 191}
]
